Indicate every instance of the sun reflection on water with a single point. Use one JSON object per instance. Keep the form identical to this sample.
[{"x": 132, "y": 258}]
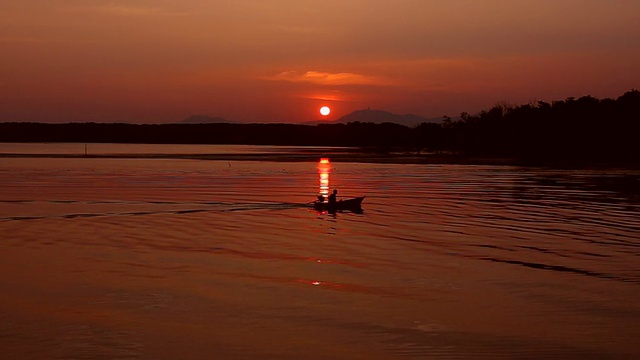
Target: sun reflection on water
[{"x": 324, "y": 169}]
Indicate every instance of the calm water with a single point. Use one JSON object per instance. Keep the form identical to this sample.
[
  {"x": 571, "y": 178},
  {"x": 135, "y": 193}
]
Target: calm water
[{"x": 171, "y": 258}]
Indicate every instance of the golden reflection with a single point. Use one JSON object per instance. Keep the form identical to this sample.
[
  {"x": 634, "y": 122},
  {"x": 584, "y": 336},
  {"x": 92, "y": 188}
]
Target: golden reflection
[{"x": 324, "y": 169}]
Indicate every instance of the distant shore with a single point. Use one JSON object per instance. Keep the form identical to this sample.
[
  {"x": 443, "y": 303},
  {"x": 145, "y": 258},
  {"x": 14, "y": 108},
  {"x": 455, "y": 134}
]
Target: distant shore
[
  {"x": 574, "y": 133},
  {"x": 342, "y": 155}
]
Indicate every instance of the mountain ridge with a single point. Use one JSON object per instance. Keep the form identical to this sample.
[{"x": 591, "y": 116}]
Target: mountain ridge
[
  {"x": 378, "y": 117},
  {"x": 204, "y": 119}
]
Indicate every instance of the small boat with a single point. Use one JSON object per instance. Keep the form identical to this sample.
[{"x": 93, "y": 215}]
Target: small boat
[{"x": 353, "y": 204}]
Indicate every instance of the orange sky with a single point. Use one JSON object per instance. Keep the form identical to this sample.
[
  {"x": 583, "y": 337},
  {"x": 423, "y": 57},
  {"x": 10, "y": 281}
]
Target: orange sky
[{"x": 279, "y": 60}]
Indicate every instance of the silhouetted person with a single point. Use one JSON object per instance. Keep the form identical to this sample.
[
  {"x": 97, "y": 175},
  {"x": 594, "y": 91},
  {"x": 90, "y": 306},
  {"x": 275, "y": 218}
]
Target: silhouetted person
[
  {"x": 320, "y": 198},
  {"x": 332, "y": 197}
]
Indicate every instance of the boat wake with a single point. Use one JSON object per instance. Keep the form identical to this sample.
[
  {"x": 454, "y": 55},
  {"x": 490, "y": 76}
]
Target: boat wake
[{"x": 158, "y": 208}]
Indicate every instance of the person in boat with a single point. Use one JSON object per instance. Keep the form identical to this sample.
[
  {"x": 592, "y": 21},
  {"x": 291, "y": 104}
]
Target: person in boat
[
  {"x": 320, "y": 198},
  {"x": 333, "y": 197}
]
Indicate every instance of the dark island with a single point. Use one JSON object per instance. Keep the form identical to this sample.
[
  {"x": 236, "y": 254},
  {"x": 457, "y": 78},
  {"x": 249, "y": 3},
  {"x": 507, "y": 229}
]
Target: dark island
[{"x": 574, "y": 132}]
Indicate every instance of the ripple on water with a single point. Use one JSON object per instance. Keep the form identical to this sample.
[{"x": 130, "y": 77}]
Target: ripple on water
[{"x": 445, "y": 261}]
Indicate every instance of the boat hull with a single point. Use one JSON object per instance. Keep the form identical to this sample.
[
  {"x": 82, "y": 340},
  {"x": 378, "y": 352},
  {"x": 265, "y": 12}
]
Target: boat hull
[{"x": 353, "y": 204}]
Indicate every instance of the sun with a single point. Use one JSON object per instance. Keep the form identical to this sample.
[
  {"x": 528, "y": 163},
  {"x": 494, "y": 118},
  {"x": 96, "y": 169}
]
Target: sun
[{"x": 325, "y": 110}]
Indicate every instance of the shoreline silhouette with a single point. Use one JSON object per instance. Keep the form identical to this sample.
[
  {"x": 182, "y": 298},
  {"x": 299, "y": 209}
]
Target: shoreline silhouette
[{"x": 574, "y": 132}]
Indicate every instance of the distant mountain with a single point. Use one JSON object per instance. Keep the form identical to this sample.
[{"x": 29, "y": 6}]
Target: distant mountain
[
  {"x": 203, "y": 119},
  {"x": 378, "y": 117}
]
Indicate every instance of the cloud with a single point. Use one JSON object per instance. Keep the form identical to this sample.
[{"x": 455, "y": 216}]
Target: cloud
[
  {"x": 327, "y": 78},
  {"x": 17, "y": 40},
  {"x": 332, "y": 96},
  {"x": 296, "y": 29},
  {"x": 124, "y": 10}
]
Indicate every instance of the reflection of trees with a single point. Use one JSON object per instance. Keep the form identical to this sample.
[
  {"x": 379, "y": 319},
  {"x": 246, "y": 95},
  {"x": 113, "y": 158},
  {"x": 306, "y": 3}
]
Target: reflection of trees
[{"x": 574, "y": 131}]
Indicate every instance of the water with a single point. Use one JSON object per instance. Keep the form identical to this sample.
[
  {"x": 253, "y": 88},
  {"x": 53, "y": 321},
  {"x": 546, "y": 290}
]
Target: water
[{"x": 175, "y": 258}]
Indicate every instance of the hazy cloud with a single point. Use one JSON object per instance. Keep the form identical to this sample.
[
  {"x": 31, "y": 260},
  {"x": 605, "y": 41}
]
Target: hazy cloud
[
  {"x": 327, "y": 78},
  {"x": 19, "y": 39},
  {"x": 124, "y": 10}
]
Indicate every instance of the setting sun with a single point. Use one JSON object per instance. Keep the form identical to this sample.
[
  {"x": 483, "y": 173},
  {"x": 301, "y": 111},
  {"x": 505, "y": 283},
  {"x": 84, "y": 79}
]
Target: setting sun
[{"x": 325, "y": 110}]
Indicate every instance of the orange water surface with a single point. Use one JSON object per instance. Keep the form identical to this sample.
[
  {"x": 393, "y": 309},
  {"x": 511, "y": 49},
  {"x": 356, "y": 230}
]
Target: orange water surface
[{"x": 172, "y": 258}]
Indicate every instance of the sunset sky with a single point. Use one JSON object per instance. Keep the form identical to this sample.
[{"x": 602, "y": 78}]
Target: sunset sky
[{"x": 152, "y": 61}]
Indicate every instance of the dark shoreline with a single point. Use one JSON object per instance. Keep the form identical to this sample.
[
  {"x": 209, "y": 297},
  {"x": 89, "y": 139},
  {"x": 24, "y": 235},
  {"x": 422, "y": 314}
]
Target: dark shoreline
[
  {"x": 338, "y": 156},
  {"x": 289, "y": 157},
  {"x": 575, "y": 133}
]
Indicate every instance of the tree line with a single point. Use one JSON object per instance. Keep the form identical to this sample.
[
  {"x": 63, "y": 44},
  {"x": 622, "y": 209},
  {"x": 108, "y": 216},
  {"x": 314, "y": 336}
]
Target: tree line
[{"x": 582, "y": 130}]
